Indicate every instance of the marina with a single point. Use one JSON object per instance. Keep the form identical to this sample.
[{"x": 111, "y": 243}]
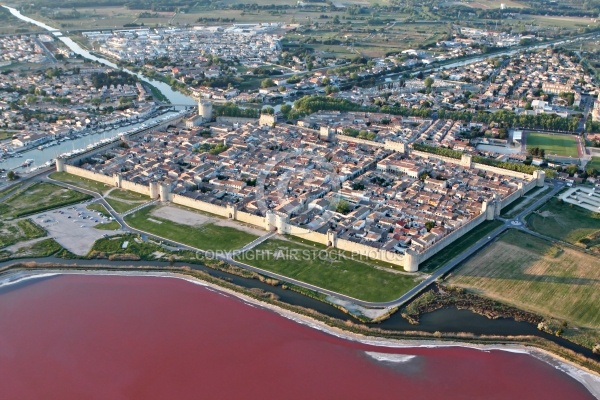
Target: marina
[{"x": 78, "y": 142}]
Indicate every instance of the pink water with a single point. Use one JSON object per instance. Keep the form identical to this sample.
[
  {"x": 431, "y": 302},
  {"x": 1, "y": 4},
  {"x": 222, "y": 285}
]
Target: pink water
[{"x": 109, "y": 337}]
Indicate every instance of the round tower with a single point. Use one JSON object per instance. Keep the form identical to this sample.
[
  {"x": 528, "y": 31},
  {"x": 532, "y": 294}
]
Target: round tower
[
  {"x": 205, "y": 109},
  {"x": 154, "y": 190},
  {"x": 164, "y": 190},
  {"x": 60, "y": 164},
  {"x": 540, "y": 177},
  {"x": 411, "y": 261}
]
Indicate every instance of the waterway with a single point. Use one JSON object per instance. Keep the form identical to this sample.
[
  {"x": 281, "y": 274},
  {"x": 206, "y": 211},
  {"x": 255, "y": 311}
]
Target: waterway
[
  {"x": 173, "y": 96},
  {"x": 40, "y": 157},
  {"x": 118, "y": 337}
]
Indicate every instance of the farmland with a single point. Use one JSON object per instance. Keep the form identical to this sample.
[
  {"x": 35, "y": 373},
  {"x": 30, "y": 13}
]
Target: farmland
[{"x": 535, "y": 275}]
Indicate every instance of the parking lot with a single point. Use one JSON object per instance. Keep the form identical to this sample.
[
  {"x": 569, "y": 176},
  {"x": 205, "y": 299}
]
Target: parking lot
[{"x": 73, "y": 227}]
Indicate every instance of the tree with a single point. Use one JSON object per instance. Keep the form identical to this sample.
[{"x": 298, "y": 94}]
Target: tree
[
  {"x": 571, "y": 169},
  {"x": 429, "y": 225},
  {"x": 285, "y": 110},
  {"x": 11, "y": 175},
  {"x": 267, "y": 83},
  {"x": 428, "y": 82},
  {"x": 343, "y": 207}
]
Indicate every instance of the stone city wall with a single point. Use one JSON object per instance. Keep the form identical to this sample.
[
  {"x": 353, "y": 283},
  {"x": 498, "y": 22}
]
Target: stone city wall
[
  {"x": 251, "y": 219},
  {"x": 199, "y": 205},
  {"x": 501, "y": 171},
  {"x": 435, "y": 156},
  {"x": 307, "y": 234},
  {"x": 346, "y": 138},
  {"x": 84, "y": 173},
  {"x": 512, "y": 197},
  {"x": 135, "y": 187},
  {"x": 451, "y": 238},
  {"x": 371, "y": 252}
]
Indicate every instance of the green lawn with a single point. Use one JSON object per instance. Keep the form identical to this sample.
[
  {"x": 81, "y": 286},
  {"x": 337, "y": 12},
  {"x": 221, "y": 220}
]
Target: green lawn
[
  {"x": 518, "y": 205},
  {"x": 11, "y": 189},
  {"x": 108, "y": 226},
  {"x": 98, "y": 208},
  {"x": 561, "y": 145},
  {"x": 329, "y": 269},
  {"x": 128, "y": 195},
  {"x": 567, "y": 222},
  {"x": 459, "y": 246},
  {"x": 121, "y": 206},
  {"x": 40, "y": 196},
  {"x": 536, "y": 275},
  {"x": 78, "y": 181},
  {"x": 209, "y": 236},
  {"x": 370, "y": 261},
  {"x": 125, "y": 200}
]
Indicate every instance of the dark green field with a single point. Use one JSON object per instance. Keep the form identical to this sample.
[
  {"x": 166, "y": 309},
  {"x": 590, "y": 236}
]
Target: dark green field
[{"x": 329, "y": 269}]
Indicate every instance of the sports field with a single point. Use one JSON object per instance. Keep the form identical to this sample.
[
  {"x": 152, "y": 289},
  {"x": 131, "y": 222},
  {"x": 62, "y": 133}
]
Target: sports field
[{"x": 560, "y": 145}]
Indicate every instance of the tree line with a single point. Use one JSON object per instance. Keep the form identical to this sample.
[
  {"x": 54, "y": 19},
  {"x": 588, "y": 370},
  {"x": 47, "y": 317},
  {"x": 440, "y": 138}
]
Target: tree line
[
  {"x": 231, "y": 110},
  {"x": 511, "y": 119}
]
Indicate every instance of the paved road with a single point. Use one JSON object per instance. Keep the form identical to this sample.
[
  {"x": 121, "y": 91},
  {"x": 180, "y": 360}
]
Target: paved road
[{"x": 47, "y": 52}]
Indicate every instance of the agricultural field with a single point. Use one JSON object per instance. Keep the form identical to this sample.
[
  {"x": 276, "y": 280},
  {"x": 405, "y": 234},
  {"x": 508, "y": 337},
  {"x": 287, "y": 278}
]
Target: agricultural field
[
  {"x": 370, "y": 40},
  {"x": 329, "y": 269},
  {"x": 40, "y": 196},
  {"x": 560, "y": 145},
  {"x": 205, "y": 235},
  {"x": 567, "y": 222},
  {"x": 538, "y": 276}
]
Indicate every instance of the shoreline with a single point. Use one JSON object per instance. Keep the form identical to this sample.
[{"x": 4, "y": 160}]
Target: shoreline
[{"x": 589, "y": 379}]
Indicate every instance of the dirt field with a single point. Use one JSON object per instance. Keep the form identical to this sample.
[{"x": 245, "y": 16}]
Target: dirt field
[
  {"x": 191, "y": 218},
  {"x": 533, "y": 274}
]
